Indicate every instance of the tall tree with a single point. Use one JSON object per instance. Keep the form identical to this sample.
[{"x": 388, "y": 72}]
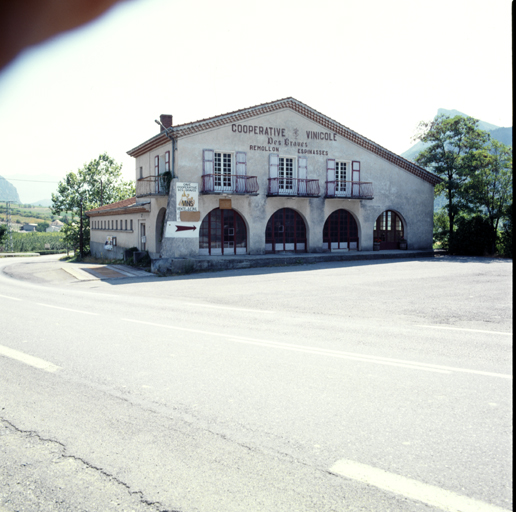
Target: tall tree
[
  {"x": 97, "y": 183},
  {"x": 489, "y": 189},
  {"x": 453, "y": 146}
]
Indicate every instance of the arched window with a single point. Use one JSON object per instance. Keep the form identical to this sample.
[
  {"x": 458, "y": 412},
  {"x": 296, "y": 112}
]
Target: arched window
[
  {"x": 388, "y": 230},
  {"x": 340, "y": 231},
  {"x": 285, "y": 231},
  {"x": 222, "y": 232}
]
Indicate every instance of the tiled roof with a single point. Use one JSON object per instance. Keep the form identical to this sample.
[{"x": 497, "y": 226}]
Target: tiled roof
[
  {"x": 121, "y": 207},
  {"x": 184, "y": 130}
]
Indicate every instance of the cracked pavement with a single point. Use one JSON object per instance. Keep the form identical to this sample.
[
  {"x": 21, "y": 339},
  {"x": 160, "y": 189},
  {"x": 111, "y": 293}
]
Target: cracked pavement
[{"x": 37, "y": 474}]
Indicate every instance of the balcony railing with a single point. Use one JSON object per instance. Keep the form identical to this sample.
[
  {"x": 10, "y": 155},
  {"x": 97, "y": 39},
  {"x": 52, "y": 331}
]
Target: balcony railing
[
  {"x": 153, "y": 186},
  {"x": 349, "y": 189},
  {"x": 293, "y": 187},
  {"x": 229, "y": 184}
]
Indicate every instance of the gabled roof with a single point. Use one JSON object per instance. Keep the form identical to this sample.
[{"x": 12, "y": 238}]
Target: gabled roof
[
  {"x": 119, "y": 208},
  {"x": 184, "y": 130}
]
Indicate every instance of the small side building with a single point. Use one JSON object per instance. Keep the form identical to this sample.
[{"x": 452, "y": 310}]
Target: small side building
[
  {"x": 28, "y": 228},
  {"x": 115, "y": 227}
]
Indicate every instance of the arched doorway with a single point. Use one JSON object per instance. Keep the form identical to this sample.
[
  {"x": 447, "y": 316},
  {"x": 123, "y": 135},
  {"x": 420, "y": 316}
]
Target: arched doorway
[
  {"x": 285, "y": 231},
  {"x": 223, "y": 232},
  {"x": 388, "y": 230},
  {"x": 160, "y": 228},
  {"x": 340, "y": 232}
]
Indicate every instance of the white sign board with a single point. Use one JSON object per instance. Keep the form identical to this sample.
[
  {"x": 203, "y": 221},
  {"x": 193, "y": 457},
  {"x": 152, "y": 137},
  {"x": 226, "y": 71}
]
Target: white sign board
[
  {"x": 182, "y": 229},
  {"x": 187, "y": 198},
  {"x": 187, "y": 212}
]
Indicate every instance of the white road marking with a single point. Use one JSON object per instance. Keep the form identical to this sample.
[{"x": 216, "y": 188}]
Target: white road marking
[
  {"x": 466, "y": 330},
  {"x": 414, "y": 365},
  {"x": 10, "y": 298},
  {"x": 36, "y": 362},
  {"x": 227, "y": 308},
  {"x": 412, "y": 489},
  {"x": 66, "y": 309}
]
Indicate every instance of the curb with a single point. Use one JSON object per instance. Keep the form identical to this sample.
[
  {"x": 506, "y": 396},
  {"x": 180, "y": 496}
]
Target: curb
[{"x": 169, "y": 266}]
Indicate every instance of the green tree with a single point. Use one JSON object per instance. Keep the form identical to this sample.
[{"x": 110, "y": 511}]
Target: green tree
[
  {"x": 489, "y": 189},
  {"x": 441, "y": 228},
  {"x": 71, "y": 235},
  {"x": 453, "y": 146},
  {"x": 42, "y": 227},
  {"x": 3, "y": 234},
  {"x": 97, "y": 183}
]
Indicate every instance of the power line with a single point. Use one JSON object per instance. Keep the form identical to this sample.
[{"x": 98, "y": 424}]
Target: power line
[{"x": 31, "y": 181}]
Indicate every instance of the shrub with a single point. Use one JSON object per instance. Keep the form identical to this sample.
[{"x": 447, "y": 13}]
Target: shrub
[
  {"x": 472, "y": 237},
  {"x": 505, "y": 245},
  {"x": 35, "y": 242},
  {"x": 42, "y": 227}
]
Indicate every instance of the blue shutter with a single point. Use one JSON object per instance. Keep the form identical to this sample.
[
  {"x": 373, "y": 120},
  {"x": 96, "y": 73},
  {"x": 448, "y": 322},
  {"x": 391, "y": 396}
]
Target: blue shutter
[
  {"x": 330, "y": 177},
  {"x": 302, "y": 165},
  {"x": 207, "y": 161},
  {"x": 241, "y": 171},
  {"x": 273, "y": 165},
  {"x": 301, "y": 174},
  {"x": 355, "y": 178},
  {"x": 273, "y": 173},
  {"x": 241, "y": 163}
]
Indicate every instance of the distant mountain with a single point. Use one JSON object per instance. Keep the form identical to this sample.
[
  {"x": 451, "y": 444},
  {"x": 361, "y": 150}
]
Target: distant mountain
[
  {"x": 504, "y": 135},
  {"x": 32, "y": 188},
  {"x": 42, "y": 202},
  {"x": 8, "y": 191}
]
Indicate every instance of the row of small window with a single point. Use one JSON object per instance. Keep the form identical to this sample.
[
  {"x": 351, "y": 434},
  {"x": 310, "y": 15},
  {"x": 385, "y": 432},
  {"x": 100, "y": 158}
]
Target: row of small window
[
  {"x": 224, "y": 163},
  {"x": 113, "y": 225}
]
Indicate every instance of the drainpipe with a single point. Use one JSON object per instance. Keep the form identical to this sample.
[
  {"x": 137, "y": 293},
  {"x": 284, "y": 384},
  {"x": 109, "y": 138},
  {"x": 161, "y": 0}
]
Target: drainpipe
[{"x": 172, "y": 160}]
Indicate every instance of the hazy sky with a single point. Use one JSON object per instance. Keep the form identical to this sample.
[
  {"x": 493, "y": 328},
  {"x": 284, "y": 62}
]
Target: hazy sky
[{"x": 376, "y": 66}]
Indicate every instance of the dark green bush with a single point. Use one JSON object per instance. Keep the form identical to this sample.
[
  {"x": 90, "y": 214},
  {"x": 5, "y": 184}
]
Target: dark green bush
[
  {"x": 505, "y": 245},
  {"x": 472, "y": 237}
]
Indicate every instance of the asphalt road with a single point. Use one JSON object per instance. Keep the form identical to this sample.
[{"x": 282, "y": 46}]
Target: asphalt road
[{"x": 360, "y": 386}]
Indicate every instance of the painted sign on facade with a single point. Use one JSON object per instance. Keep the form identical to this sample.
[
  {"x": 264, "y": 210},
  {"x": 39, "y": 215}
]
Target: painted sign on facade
[
  {"x": 187, "y": 212},
  {"x": 275, "y": 139},
  {"x": 187, "y": 198}
]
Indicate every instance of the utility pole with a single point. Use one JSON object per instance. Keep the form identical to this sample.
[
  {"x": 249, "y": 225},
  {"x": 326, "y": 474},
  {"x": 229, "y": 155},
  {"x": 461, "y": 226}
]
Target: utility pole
[
  {"x": 9, "y": 227},
  {"x": 81, "y": 246}
]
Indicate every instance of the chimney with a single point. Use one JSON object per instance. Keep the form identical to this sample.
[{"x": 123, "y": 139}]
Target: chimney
[{"x": 166, "y": 121}]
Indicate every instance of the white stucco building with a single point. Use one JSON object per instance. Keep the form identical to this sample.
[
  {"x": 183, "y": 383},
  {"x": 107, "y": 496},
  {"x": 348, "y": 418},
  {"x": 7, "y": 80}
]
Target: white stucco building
[
  {"x": 266, "y": 179},
  {"x": 55, "y": 226}
]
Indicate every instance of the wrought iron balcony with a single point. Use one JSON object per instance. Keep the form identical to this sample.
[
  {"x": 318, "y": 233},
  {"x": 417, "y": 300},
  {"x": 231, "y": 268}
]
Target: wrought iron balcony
[
  {"x": 349, "y": 189},
  {"x": 153, "y": 186},
  {"x": 229, "y": 184},
  {"x": 293, "y": 187}
]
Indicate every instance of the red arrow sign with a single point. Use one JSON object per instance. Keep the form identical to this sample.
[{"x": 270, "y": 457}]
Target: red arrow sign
[{"x": 185, "y": 228}]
